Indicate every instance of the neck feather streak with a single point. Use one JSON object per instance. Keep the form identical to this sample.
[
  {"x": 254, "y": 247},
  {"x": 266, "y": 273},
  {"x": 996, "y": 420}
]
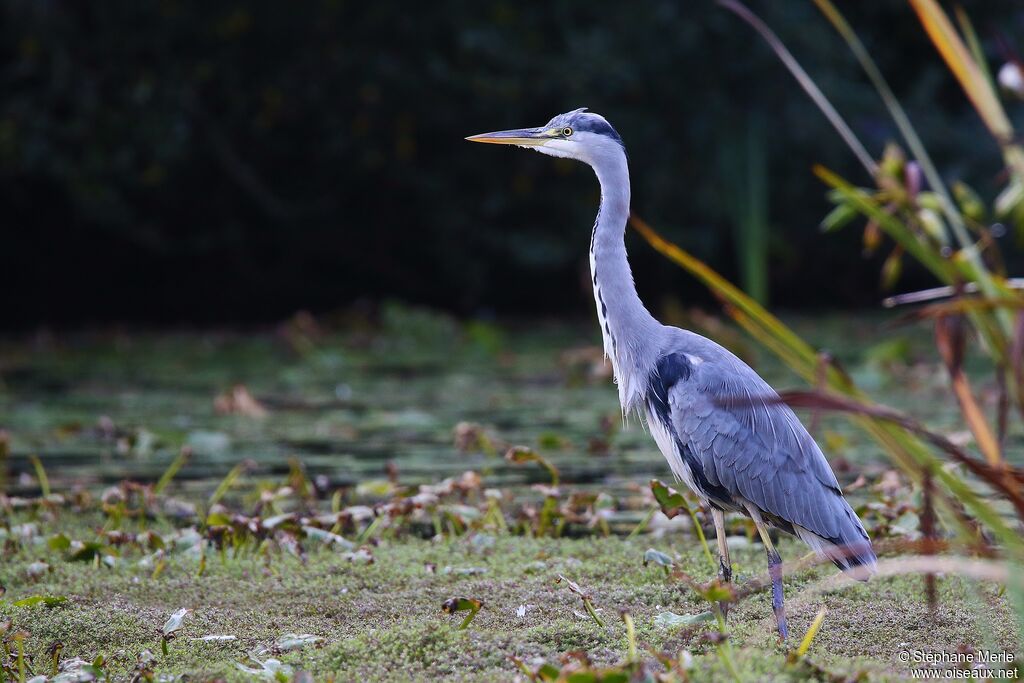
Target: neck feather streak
[{"x": 627, "y": 327}]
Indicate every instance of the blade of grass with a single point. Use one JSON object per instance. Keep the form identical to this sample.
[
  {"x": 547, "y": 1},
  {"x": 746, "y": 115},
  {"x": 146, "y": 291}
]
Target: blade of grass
[
  {"x": 812, "y": 631},
  {"x": 805, "y": 81},
  {"x": 972, "y": 41},
  {"x": 949, "y": 338},
  {"x": 639, "y": 528},
  {"x": 44, "y": 481},
  {"x": 172, "y": 470},
  {"x": 227, "y": 482}
]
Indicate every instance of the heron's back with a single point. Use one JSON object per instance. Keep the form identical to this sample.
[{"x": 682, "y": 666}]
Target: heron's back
[{"x": 728, "y": 436}]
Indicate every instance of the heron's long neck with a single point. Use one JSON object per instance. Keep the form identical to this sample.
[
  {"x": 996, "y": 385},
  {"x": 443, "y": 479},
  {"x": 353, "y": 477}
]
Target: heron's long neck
[{"x": 626, "y": 325}]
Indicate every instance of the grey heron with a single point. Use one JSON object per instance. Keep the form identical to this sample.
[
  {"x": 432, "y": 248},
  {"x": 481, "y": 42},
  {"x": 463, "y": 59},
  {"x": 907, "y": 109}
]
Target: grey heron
[{"x": 719, "y": 425}]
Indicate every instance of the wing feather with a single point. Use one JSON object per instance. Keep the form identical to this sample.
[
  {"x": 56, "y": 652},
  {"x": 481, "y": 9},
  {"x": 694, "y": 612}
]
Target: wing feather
[{"x": 726, "y": 416}]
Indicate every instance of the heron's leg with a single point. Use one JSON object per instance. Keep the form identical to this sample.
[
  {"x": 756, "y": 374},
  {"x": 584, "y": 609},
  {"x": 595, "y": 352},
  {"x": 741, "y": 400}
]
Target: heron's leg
[
  {"x": 775, "y": 572},
  {"x": 724, "y": 563}
]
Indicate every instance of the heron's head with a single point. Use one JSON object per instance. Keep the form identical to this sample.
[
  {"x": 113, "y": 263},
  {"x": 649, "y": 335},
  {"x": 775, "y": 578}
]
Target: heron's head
[{"x": 577, "y": 134}]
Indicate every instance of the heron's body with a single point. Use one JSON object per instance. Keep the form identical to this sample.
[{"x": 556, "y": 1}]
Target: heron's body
[{"x": 718, "y": 424}]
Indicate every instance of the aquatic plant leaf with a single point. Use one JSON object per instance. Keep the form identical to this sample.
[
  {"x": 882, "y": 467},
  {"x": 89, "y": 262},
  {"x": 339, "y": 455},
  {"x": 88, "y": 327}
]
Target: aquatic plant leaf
[
  {"x": 657, "y": 557},
  {"x": 84, "y": 552},
  {"x": 86, "y": 674},
  {"x": 672, "y": 620},
  {"x": 295, "y": 641},
  {"x": 548, "y": 672},
  {"x": 59, "y": 542},
  {"x": 717, "y": 591},
  {"x": 671, "y": 501},
  {"x": 271, "y": 669},
  {"x": 525, "y": 454},
  {"x": 174, "y": 622}
]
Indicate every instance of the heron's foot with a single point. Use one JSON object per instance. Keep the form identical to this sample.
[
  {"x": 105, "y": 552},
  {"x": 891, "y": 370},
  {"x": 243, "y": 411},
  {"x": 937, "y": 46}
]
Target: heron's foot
[
  {"x": 778, "y": 603},
  {"x": 725, "y": 575},
  {"x": 724, "y": 561}
]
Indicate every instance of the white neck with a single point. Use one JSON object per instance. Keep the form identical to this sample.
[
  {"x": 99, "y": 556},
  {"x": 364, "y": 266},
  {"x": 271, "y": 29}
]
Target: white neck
[{"x": 627, "y": 326}]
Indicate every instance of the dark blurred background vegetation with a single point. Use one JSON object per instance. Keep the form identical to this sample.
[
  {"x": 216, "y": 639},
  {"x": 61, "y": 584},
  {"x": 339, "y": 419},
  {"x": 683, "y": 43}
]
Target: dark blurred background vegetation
[{"x": 165, "y": 161}]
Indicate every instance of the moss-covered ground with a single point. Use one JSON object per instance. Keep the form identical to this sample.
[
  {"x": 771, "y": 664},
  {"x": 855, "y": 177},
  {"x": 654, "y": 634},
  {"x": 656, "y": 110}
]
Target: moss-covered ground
[
  {"x": 383, "y": 621},
  {"x": 353, "y": 412}
]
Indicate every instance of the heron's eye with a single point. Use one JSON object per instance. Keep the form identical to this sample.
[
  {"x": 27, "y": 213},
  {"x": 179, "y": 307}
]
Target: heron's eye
[{"x": 567, "y": 131}]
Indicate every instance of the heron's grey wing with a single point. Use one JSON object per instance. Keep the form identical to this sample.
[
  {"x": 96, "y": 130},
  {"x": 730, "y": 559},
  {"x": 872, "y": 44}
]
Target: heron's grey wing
[{"x": 739, "y": 439}]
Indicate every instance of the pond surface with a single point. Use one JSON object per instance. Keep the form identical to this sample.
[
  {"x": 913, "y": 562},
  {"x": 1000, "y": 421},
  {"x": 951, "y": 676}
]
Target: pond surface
[{"x": 103, "y": 407}]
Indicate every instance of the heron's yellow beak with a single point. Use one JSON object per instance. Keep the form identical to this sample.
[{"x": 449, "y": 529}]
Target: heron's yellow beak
[{"x": 525, "y": 137}]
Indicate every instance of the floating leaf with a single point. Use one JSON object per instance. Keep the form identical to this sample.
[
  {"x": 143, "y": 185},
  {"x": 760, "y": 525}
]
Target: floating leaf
[
  {"x": 84, "y": 673},
  {"x": 659, "y": 558},
  {"x": 294, "y": 641},
  {"x": 672, "y": 620},
  {"x": 272, "y": 669}
]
